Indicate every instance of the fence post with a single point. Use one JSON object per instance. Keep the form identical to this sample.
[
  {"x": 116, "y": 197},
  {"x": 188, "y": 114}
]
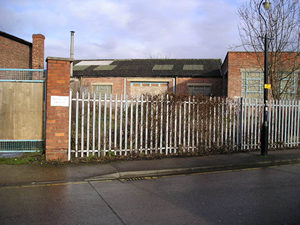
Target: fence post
[
  {"x": 57, "y": 123},
  {"x": 240, "y": 123}
]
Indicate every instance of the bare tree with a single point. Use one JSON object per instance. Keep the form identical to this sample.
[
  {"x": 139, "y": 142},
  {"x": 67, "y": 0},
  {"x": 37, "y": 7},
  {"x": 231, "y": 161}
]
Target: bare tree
[{"x": 283, "y": 32}]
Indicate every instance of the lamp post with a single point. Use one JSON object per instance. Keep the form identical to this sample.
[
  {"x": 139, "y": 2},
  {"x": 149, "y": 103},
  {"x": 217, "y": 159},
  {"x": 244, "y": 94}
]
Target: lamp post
[{"x": 265, "y": 126}]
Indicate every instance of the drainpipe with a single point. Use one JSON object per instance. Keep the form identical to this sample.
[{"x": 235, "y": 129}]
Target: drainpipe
[
  {"x": 125, "y": 86},
  {"x": 174, "y": 85}
]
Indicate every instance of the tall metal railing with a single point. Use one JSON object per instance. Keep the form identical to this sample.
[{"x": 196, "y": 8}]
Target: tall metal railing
[{"x": 122, "y": 125}]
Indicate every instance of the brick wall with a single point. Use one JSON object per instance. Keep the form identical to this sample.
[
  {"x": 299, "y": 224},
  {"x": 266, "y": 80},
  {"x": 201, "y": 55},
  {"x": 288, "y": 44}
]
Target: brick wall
[
  {"x": 57, "y": 124},
  {"x": 216, "y": 85},
  {"x": 235, "y": 62},
  {"x": 181, "y": 83},
  {"x": 116, "y": 82},
  {"x": 14, "y": 54},
  {"x": 224, "y": 70},
  {"x": 17, "y": 53}
]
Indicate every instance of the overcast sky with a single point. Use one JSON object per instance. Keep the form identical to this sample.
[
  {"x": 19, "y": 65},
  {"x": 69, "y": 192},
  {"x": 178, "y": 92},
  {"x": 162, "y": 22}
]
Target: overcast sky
[{"x": 126, "y": 28}]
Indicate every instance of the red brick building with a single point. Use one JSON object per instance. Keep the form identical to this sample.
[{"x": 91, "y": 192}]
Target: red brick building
[
  {"x": 243, "y": 74},
  {"x": 18, "y": 53},
  {"x": 149, "y": 76}
]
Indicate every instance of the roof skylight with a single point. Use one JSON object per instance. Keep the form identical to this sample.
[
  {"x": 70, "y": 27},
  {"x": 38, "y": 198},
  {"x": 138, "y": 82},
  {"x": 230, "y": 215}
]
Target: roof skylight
[
  {"x": 79, "y": 68},
  {"x": 94, "y": 63},
  {"x": 193, "y": 67},
  {"x": 105, "y": 67},
  {"x": 163, "y": 67}
]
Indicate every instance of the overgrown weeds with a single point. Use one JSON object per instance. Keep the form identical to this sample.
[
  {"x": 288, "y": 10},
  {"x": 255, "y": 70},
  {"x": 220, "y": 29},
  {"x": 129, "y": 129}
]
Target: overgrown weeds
[{"x": 26, "y": 158}]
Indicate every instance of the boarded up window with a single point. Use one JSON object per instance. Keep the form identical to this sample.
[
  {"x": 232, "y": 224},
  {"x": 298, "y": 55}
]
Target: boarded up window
[
  {"x": 204, "y": 90},
  {"x": 102, "y": 89}
]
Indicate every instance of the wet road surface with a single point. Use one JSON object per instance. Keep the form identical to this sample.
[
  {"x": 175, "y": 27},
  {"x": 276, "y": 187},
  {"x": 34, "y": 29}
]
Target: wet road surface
[{"x": 255, "y": 196}]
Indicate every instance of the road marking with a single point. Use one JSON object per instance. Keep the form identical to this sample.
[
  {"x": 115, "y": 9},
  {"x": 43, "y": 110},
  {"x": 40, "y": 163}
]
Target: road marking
[
  {"x": 237, "y": 170},
  {"x": 225, "y": 171}
]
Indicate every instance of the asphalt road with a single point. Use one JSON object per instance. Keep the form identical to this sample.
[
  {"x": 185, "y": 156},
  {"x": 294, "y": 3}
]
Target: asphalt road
[{"x": 255, "y": 196}]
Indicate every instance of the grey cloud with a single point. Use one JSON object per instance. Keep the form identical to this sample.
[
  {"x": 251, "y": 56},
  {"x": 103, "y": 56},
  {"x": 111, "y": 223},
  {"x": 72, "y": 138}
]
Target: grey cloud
[{"x": 127, "y": 28}]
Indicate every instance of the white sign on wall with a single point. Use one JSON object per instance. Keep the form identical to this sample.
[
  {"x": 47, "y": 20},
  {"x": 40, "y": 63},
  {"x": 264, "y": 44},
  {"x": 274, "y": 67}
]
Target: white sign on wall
[{"x": 59, "y": 101}]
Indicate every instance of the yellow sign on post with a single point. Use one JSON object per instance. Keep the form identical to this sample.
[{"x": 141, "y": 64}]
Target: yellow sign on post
[{"x": 267, "y": 86}]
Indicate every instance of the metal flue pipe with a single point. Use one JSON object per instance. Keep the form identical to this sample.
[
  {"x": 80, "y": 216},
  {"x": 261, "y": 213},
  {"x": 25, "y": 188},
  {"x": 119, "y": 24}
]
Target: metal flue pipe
[{"x": 72, "y": 50}]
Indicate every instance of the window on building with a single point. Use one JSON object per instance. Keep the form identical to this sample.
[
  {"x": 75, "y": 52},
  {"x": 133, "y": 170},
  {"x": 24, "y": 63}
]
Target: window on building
[
  {"x": 148, "y": 87},
  {"x": 252, "y": 85},
  {"x": 288, "y": 87},
  {"x": 200, "y": 89},
  {"x": 102, "y": 89},
  {"x": 149, "y": 84}
]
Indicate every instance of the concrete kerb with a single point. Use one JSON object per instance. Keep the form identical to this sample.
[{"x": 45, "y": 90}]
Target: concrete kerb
[{"x": 190, "y": 170}]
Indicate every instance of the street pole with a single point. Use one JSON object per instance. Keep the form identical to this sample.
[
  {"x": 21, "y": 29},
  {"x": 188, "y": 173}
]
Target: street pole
[{"x": 265, "y": 126}]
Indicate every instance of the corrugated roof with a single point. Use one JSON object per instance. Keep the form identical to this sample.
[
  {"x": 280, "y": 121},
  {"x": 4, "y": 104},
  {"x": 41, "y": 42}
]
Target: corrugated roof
[{"x": 144, "y": 68}]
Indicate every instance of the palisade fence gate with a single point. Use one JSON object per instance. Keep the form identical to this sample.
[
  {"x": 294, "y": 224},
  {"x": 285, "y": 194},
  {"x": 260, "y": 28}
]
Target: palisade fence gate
[
  {"x": 22, "y": 110},
  {"x": 121, "y": 125}
]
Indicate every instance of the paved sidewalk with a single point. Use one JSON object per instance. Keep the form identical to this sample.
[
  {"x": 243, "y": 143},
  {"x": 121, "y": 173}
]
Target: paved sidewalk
[{"x": 31, "y": 174}]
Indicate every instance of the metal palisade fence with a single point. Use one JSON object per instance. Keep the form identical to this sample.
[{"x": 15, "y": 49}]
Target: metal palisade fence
[{"x": 170, "y": 124}]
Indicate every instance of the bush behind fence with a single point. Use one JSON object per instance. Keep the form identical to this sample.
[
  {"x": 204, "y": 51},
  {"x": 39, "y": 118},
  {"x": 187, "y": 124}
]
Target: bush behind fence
[{"x": 171, "y": 124}]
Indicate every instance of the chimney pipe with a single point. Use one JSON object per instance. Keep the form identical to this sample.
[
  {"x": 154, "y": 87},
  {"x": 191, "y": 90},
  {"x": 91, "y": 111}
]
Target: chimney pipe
[
  {"x": 72, "y": 45},
  {"x": 72, "y": 50}
]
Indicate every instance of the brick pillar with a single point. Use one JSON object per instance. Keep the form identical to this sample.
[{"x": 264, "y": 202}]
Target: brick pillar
[
  {"x": 57, "y": 124},
  {"x": 37, "y": 55}
]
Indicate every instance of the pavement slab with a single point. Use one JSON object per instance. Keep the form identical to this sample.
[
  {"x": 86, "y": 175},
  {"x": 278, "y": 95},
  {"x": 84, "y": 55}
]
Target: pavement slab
[{"x": 28, "y": 174}]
